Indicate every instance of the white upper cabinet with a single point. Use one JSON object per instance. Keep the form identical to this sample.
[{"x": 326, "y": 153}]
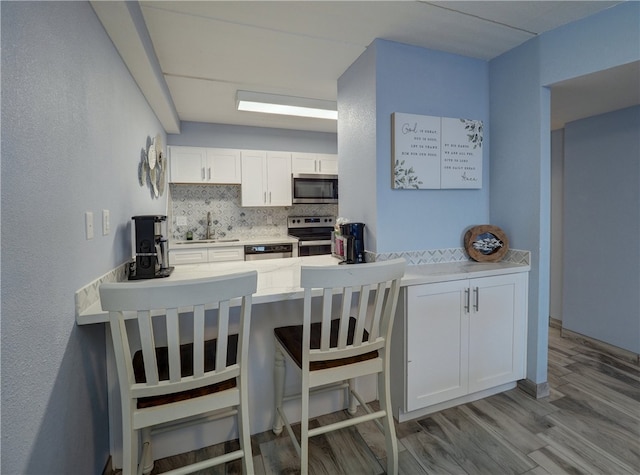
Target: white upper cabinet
[
  {"x": 266, "y": 178},
  {"x": 318, "y": 163},
  {"x": 204, "y": 165}
]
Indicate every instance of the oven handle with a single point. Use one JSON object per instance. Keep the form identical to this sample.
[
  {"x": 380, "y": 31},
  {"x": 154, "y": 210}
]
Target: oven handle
[{"x": 314, "y": 243}]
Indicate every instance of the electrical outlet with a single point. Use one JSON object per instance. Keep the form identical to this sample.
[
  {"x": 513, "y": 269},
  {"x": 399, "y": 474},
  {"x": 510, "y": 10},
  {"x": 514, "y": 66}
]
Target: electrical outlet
[
  {"x": 269, "y": 219},
  {"x": 181, "y": 220},
  {"x": 106, "y": 224},
  {"x": 88, "y": 223}
]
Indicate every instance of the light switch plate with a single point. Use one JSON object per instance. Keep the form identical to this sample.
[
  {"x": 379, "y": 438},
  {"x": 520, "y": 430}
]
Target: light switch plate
[
  {"x": 106, "y": 223},
  {"x": 88, "y": 224}
]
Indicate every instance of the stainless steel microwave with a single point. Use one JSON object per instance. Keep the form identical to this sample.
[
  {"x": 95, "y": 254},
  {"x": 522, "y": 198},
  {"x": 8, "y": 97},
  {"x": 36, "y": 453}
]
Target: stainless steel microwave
[{"x": 311, "y": 188}]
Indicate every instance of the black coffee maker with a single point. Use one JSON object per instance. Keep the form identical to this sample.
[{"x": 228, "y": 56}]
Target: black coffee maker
[
  {"x": 152, "y": 259},
  {"x": 354, "y": 235}
]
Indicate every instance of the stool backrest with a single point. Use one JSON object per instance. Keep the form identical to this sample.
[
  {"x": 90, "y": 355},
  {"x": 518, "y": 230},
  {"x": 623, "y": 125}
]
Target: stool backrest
[
  {"x": 346, "y": 292},
  {"x": 162, "y": 309}
]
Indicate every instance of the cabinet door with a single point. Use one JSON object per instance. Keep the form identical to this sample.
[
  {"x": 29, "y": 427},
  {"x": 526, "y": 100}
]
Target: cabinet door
[
  {"x": 327, "y": 164},
  {"x": 187, "y": 164},
  {"x": 497, "y": 330},
  {"x": 253, "y": 190},
  {"x": 278, "y": 179},
  {"x": 224, "y": 254},
  {"x": 319, "y": 163},
  {"x": 303, "y": 163},
  {"x": 223, "y": 166},
  {"x": 187, "y": 256},
  {"x": 436, "y": 336}
]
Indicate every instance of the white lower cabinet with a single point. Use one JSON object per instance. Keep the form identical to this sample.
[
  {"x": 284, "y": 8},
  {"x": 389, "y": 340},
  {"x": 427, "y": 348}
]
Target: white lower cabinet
[
  {"x": 453, "y": 339},
  {"x": 206, "y": 254}
]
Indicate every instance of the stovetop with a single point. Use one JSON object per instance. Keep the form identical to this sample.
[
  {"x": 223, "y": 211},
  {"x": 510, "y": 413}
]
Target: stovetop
[{"x": 311, "y": 227}]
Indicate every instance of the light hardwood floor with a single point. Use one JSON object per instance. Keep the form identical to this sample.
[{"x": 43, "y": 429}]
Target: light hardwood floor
[{"x": 590, "y": 424}]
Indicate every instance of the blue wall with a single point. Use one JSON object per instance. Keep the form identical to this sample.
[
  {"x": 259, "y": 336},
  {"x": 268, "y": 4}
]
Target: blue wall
[
  {"x": 602, "y": 225},
  {"x": 520, "y": 144},
  {"x": 253, "y": 138},
  {"x": 411, "y": 80},
  {"x": 74, "y": 126}
]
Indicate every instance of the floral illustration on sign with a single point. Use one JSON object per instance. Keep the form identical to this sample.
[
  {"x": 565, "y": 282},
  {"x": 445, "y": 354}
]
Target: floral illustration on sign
[
  {"x": 405, "y": 177},
  {"x": 474, "y": 131}
]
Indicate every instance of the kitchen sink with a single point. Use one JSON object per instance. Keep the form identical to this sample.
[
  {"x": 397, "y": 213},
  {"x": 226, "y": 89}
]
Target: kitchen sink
[{"x": 205, "y": 241}]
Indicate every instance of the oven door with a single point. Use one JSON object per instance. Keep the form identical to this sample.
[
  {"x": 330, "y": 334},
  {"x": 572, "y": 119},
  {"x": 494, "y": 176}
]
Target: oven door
[{"x": 314, "y": 248}]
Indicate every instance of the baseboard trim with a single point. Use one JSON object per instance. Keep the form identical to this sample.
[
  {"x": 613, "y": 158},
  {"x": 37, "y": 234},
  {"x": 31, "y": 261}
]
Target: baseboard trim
[
  {"x": 621, "y": 353},
  {"x": 108, "y": 468},
  {"x": 535, "y": 390}
]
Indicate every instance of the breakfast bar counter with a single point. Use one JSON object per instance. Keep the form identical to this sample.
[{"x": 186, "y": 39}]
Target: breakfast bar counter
[
  {"x": 279, "y": 279},
  {"x": 277, "y": 302}
]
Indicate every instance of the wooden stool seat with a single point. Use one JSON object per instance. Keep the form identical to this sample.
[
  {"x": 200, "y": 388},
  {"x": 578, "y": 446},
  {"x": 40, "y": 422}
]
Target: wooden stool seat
[
  {"x": 290, "y": 338},
  {"x": 186, "y": 369}
]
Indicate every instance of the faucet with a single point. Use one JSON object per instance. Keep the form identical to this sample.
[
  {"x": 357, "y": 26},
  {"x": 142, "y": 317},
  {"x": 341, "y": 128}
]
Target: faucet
[{"x": 210, "y": 232}]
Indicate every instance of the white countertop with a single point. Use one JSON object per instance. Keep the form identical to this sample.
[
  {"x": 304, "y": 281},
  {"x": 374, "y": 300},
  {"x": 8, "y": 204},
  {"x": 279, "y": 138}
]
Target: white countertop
[{"x": 279, "y": 279}]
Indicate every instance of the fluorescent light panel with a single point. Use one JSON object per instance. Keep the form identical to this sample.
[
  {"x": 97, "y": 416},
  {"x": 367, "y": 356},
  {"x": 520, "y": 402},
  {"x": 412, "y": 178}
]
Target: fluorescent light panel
[{"x": 286, "y": 105}]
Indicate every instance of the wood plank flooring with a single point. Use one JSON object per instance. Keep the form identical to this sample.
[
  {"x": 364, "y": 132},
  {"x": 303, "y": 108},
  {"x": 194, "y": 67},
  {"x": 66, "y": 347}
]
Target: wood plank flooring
[{"x": 590, "y": 424}]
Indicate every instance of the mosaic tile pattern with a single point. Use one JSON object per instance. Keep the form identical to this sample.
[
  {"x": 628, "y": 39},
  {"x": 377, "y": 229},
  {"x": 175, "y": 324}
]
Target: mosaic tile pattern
[
  {"x": 438, "y": 256},
  {"x": 87, "y": 295},
  {"x": 230, "y": 220}
]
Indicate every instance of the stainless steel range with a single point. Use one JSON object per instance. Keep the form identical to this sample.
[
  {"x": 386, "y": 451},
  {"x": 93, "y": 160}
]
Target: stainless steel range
[{"x": 313, "y": 233}]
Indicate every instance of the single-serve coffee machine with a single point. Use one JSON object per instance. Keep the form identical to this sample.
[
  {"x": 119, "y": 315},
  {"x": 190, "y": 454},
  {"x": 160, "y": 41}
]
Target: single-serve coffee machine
[
  {"x": 353, "y": 239},
  {"x": 151, "y": 254}
]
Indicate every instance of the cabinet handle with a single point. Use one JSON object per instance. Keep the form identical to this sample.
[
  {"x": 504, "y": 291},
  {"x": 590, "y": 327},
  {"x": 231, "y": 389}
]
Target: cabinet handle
[
  {"x": 477, "y": 304},
  {"x": 265, "y": 198},
  {"x": 209, "y": 173},
  {"x": 203, "y": 176},
  {"x": 467, "y": 299},
  {"x": 319, "y": 166},
  {"x": 269, "y": 197}
]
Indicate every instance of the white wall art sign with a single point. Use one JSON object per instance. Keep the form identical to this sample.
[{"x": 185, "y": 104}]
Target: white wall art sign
[{"x": 435, "y": 152}]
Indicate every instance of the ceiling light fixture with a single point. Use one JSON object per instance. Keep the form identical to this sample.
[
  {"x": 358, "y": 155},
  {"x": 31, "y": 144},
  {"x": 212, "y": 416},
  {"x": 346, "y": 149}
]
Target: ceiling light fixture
[{"x": 286, "y": 105}]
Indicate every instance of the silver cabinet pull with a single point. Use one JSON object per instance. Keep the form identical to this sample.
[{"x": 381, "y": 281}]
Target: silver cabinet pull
[
  {"x": 203, "y": 176},
  {"x": 265, "y": 198},
  {"x": 269, "y": 197},
  {"x": 467, "y": 299},
  {"x": 209, "y": 173},
  {"x": 477, "y": 304}
]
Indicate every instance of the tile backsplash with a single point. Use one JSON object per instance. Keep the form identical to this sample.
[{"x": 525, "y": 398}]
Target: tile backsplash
[{"x": 230, "y": 220}]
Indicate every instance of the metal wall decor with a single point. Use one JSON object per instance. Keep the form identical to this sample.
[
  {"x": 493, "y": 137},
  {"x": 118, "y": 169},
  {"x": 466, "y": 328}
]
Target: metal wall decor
[
  {"x": 486, "y": 243},
  {"x": 152, "y": 170}
]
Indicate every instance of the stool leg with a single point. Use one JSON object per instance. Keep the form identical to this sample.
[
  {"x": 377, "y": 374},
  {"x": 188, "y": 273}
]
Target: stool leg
[
  {"x": 278, "y": 385},
  {"x": 129, "y": 444},
  {"x": 245, "y": 431},
  {"x": 353, "y": 406},
  {"x": 384, "y": 391},
  {"x": 304, "y": 425},
  {"x": 147, "y": 458}
]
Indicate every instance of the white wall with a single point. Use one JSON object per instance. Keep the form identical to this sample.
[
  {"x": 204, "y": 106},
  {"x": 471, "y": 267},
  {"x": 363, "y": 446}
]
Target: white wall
[{"x": 74, "y": 126}]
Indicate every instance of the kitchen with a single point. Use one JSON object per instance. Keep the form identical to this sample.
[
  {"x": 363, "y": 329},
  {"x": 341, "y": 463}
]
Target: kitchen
[{"x": 72, "y": 117}]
